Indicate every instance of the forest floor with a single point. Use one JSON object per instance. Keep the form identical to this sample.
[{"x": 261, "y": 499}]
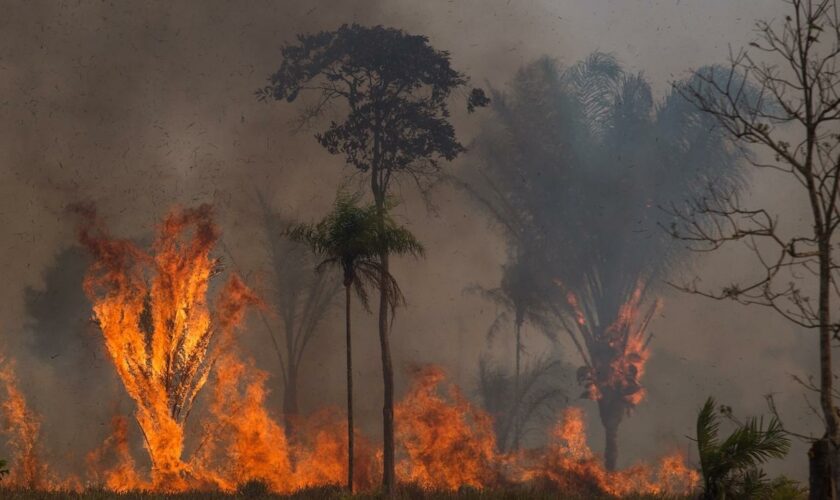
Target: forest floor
[{"x": 316, "y": 493}]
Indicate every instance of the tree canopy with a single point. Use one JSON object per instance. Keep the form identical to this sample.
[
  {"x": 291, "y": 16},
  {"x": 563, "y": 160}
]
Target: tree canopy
[
  {"x": 352, "y": 237},
  {"x": 394, "y": 89}
]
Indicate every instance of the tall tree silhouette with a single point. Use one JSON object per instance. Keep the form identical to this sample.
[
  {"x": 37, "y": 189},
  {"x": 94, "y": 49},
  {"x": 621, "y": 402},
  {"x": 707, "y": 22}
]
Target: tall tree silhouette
[
  {"x": 393, "y": 89},
  {"x": 301, "y": 299},
  {"x": 351, "y": 238},
  {"x": 573, "y": 169}
]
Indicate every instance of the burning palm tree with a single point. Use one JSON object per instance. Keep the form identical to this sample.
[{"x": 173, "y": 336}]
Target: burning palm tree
[
  {"x": 158, "y": 329},
  {"x": 574, "y": 170}
]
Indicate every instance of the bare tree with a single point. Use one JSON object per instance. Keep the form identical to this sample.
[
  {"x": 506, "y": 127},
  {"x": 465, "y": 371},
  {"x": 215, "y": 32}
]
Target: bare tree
[{"x": 784, "y": 107}]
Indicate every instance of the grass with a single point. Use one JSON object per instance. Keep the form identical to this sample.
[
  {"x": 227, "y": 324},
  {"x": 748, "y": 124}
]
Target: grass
[{"x": 323, "y": 493}]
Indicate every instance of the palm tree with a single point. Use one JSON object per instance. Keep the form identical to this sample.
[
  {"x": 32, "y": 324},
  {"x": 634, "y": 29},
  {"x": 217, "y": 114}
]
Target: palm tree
[
  {"x": 517, "y": 294},
  {"x": 353, "y": 238},
  {"x": 573, "y": 169},
  {"x": 730, "y": 468}
]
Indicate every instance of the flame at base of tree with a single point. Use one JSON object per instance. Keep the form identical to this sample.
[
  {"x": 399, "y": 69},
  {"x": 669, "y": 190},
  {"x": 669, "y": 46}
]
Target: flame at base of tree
[
  {"x": 166, "y": 346},
  {"x": 447, "y": 445},
  {"x": 569, "y": 464},
  {"x": 617, "y": 353}
]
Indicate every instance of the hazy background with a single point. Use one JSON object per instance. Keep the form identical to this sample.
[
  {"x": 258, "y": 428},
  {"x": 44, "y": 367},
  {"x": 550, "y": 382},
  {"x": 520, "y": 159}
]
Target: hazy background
[{"x": 142, "y": 106}]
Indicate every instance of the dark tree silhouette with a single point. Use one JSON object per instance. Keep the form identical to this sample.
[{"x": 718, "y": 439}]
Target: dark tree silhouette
[
  {"x": 393, "y": 89},
  {"x": 301, "y": 298},
  {"x": 352, "y": 238},
  {"x": 61, "y": 335},
  {"x": 573, "y": 169},
  {"x": 787, "y": 106}
]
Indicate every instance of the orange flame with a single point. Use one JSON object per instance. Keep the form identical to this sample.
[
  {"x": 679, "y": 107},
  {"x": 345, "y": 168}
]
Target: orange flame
[
  {"x": 157, "y": 326},
  {"x": 122, "y": 476},
  {"x": 568, "y": 463},
  {"x": 23, "y": 428},
  {"x": 447, "y": 445},
  {"x": 166, "y": 345},
  {"x": 619, "y": 352}
]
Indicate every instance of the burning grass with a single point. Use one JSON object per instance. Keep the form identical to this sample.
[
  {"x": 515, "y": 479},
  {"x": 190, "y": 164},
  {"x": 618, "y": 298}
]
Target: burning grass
[
  {"x": 325, "y": 493},
  {"x": 168, "y": 345}
]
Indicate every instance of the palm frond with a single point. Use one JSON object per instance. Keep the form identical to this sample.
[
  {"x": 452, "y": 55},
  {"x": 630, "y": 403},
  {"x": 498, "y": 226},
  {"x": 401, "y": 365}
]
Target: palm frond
[
  {"x": 731, "y": 468},
  {"x": 752, "y": 444}
]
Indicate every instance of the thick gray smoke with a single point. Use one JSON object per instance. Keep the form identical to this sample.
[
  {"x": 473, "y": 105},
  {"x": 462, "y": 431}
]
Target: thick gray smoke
[{"x": 142, "y": 106}]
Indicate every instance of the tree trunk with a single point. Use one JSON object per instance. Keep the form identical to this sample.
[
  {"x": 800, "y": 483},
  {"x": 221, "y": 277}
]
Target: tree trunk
[
  {"x": 388, "y": 476},
  {"x": 349, "y": 392},
  {"x": 516, "y": 396},
  {"x": 824, "y": 455},
  {"x": 611, "y": 411},
  {"x": 821, "y": 457},
  {"x": 290, "y": 402}
]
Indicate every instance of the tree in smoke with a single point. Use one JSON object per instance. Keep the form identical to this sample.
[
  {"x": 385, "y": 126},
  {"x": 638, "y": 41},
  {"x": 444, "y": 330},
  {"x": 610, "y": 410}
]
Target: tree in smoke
[
  {"x": 301, "y": 298},
  {"x": 61, "y": 335},
  {"x": 394, "y": 89},
  {"x": 573, "y": 169},
  {"x": 351, "y": 238},
  {"x": 787, "y": 107},
  {"x": 520, "y": 302},
  {"x": 528, "y": 405}
]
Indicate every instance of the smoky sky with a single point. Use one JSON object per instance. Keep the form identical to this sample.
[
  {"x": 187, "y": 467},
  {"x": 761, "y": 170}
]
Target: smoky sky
[{"x": 142, "y": 106}]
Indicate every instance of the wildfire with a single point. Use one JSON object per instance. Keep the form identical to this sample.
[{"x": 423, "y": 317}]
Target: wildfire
[
  {"x": 158, "y": 329},
  {"x": 23, "y": 428},
  {"x": 569, "y": 464},
  {"x": 447, "y": 444},
  {"x": 167, "y": 344},
  {"x": 619, "y": 351},
  {"x": 122, "y": 475}
]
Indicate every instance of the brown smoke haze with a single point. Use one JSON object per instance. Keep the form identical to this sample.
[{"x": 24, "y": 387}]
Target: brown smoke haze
[{"x": 141, "y": 106}]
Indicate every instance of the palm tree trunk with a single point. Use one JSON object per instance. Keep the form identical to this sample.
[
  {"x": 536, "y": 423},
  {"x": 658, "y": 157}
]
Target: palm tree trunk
[
  {"x": 516, "y": 396},
  {"x": 611, "y": 411},
  {"x": 388, "y": 476},
  {"x": 290, "y": 402},
  {"x": 349, "y": 392}
]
